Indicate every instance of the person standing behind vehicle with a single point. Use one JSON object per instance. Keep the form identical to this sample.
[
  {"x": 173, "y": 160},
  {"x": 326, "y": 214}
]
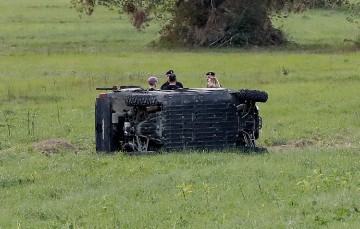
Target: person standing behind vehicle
[
  {"x": 212, "y": 81},
  {"x": 172, "y": 83},
  {"x": 152, "y": 83},
  {"x": 167, "y": 82}
]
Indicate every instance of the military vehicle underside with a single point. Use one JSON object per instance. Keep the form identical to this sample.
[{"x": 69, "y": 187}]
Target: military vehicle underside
[{"x": 138, "y": 121}]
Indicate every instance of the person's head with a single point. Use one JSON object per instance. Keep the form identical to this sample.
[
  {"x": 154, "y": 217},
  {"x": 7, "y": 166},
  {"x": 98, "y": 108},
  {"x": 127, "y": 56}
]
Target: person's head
[
  {"x": 169, "y": 72},
  {"x": 172, "y": 78},
  {"x": 210, "y": 75},
  {"x": 212, "y": 81},
  {"x": 153, "y": 81}
]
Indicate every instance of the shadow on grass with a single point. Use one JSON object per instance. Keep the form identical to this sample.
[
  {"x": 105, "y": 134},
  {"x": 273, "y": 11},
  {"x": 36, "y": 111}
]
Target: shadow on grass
[{"x": 237, "y": 150}]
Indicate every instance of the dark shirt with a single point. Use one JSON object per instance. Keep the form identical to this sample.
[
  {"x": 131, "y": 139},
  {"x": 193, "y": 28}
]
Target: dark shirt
[
  {"x": 171, "y": 87},
  {"x": 151, "y": 89},
  {"x": 167, "y": 83}
]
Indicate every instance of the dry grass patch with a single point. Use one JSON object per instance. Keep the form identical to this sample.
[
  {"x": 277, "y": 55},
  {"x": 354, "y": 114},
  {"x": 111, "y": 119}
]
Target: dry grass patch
[{"x": 54, "y": 146}]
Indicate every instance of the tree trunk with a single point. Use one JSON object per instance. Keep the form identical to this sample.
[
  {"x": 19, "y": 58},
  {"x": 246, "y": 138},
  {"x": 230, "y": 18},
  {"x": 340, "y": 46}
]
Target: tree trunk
[{"x": 221, "y": 23}]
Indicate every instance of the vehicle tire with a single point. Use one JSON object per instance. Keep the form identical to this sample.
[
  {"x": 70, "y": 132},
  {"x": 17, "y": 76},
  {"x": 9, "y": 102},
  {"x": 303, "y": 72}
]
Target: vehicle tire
[
  {"x": 141, "y": 100},
  {"x": 103, "y": 125},
  {"x": 252, "y": 95}
]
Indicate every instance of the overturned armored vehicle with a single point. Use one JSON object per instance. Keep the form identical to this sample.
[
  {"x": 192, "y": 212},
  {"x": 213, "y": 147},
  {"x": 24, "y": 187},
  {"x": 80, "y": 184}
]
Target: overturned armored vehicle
[{"x": 138, "y": 121}]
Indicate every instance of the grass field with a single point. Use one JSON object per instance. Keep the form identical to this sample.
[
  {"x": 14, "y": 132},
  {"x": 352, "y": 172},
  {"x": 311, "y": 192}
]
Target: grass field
[{"x": 51, "y": 60}]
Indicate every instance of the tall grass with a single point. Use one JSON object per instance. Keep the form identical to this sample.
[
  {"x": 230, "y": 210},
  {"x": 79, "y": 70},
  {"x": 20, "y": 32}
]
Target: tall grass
[
  {"x": 313, "y": 189},
  {"x": 320, "y": 30},
  {"x": 314, "y": 101},
  {"x": 50, "y": 63}
]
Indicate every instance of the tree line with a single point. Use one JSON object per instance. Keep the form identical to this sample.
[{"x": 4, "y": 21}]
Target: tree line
[{"x": 214, "y": 23}]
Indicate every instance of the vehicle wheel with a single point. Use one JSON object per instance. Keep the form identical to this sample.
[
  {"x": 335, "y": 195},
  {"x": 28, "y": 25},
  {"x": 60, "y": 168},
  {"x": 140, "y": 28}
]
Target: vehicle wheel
[
  {"x": 103, "y": 125},
  {"x": 141, "y": 100},
  {"x": 252, "y": 95}
]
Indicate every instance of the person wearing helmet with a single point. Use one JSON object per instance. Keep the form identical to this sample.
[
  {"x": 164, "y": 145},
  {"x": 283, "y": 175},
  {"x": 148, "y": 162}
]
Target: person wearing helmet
[
  {"x": 168, "y": 73},
  {"x": 212, "y": 81},
  {"x": 172, "y": 83}
]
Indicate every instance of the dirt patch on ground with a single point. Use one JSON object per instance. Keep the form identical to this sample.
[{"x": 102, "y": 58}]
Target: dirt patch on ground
[
  {"x": 311, "y": 143},
  {"x": 54, "y": 146}
]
